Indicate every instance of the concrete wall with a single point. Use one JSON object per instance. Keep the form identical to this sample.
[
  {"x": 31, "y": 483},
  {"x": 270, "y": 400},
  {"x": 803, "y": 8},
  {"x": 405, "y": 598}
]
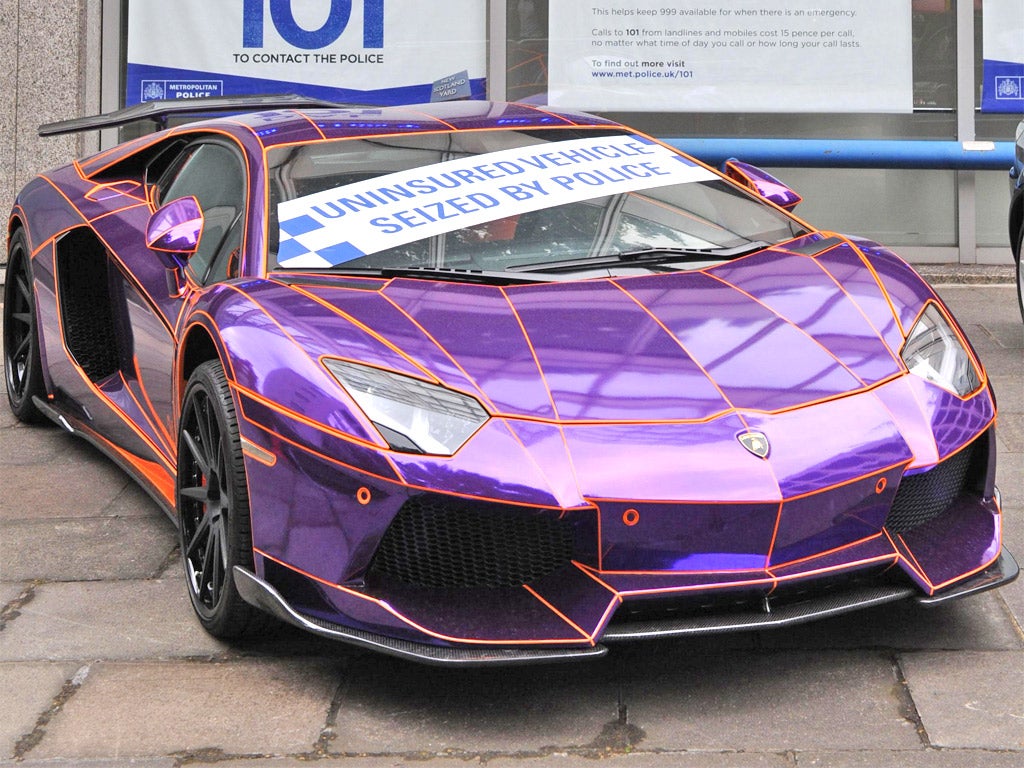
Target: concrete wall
[{"x": 49, "y": 70}]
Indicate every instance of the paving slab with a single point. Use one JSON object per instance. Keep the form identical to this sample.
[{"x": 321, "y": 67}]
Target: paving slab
[
  {"x": 85, "y": 549},
  {"x": 1013, "y": 512},
  {"x": 652, "y": 760},
  {"x": 1009, "y": 433},
  {"x": 7, "y": 420},
  {"x": 9, "y": 591},
  {"x": 484, "y": 710},
  {"x": 26, "y": 691},
  {"x": 135, "y": 502},
  {"x": 769, "y": 702},
  {"x": 1000, "y": 299},
  {"x": 108, "y": 620},
  {"x": 153, "y": 709},
  {"x": 1007, "y": 333},
  {"x": 980, "y": 622},
  {"x": 969, "y": 699},
  {"x": 996, "y": 358},
  {"x": 1012, "y": 595},
  {"x": 76, "y": 481},
  {"x": 23, "y": 444},
  {"x": 1009, "y": 391},
  {"x": 1012, "y": 487},
  {"x": 1009, "y": 471},
  {"x": 923, "y": 758},
  {"x": 547, "y": 760}
]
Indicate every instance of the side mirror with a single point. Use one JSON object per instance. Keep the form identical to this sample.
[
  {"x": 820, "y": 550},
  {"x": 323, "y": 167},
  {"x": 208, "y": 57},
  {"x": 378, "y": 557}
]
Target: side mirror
[
  {"x": 176, "y": 227},
  {"x": 762, "y": 183}
]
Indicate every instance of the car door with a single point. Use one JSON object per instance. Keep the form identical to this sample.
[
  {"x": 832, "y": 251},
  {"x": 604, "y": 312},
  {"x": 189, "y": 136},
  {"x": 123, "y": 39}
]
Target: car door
[
  {"x": 213, "y": 172},
  {"x": 120, "y": 310}
]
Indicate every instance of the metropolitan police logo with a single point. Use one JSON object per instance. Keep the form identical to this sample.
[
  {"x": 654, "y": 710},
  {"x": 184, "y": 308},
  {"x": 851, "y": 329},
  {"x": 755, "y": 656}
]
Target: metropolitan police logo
[
  {"x": 1009, "y": 87},
  {"x": 153, "y": 90},
  {"x": 755, "y": 442}
]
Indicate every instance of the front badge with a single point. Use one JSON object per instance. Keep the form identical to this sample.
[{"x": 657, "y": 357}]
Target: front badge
[{"x": 756, "y": 443}]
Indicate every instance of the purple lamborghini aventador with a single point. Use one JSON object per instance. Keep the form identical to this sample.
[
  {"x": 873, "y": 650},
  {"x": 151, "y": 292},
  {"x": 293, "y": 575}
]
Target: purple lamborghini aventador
[{"x": 479, "y": 382}]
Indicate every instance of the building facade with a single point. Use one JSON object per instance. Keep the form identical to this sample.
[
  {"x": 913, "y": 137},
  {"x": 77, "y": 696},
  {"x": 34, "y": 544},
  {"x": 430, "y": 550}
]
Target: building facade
[{"x": 928, "y": 179}]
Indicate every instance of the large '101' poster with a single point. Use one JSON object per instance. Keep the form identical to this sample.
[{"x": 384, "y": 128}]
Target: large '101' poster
[{"x": 364, "y": 51}]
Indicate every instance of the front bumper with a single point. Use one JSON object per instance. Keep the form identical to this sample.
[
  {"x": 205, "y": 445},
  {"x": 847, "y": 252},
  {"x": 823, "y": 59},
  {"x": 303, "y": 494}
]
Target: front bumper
[
  {"x": 431, "y": 573},
  {"x": 262, "y": 595}
]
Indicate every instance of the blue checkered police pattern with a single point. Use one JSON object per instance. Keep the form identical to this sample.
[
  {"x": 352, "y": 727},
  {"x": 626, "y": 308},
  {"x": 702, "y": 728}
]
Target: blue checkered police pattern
[{"x": 294, "y": 251}]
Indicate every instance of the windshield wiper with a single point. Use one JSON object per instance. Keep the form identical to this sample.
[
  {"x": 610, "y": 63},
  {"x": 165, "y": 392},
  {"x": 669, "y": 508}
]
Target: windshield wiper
[
  {"x": 644, "y": 256},
  {"x": 449, "y": 274}
]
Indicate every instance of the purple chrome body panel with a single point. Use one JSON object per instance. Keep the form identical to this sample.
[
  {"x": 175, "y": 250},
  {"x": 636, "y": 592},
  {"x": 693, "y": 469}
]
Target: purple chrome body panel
[{"x": 615, "y": 405}]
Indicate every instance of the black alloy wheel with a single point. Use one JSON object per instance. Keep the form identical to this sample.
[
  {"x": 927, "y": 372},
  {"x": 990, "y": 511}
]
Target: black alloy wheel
[
  {"x": 213, "y": 505},
  {"x": 23, "y": 369},
  {"x": 1020, "y": 270}
]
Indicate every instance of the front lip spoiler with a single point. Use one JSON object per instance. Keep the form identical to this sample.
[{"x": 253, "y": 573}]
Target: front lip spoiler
[
  {"x": 262, "y": 595},
  {"x": 782, "y": 616},
  {"x": 1003, "y": 570}
]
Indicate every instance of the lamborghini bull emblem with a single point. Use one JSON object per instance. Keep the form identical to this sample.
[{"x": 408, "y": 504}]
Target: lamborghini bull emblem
[{"x": 755, "y": 442}]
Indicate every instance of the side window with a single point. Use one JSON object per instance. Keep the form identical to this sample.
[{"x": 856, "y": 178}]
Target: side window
[{"x": 214, "y": 174}]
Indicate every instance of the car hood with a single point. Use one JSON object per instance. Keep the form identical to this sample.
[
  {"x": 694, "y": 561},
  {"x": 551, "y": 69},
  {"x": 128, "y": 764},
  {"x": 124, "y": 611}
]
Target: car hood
[{"x": 767, "y": 333}]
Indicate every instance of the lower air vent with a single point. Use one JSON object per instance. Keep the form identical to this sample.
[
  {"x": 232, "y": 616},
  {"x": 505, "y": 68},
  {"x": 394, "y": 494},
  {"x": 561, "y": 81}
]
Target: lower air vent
[
  {"x": 926, "y": 495},
  {"x": 441, "y": 542}
]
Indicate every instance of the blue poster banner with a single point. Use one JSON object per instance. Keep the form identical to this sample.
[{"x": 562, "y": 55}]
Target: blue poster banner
[
  {"x": 351, "y": 51},
  {"x": 1002, "y": 88}
]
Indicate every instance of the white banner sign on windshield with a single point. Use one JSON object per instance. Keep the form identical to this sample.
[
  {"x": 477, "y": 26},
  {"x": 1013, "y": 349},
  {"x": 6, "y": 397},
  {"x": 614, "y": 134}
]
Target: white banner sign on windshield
[
  {"x": 339, "y": 225},
  {"x": 732, "y": 56}
]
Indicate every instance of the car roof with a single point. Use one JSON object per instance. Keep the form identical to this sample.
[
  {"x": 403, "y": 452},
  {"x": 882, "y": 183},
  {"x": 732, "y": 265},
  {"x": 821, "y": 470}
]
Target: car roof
[
  {"x": 266, "y": 129},
  {"x": 285, "y": 126}
]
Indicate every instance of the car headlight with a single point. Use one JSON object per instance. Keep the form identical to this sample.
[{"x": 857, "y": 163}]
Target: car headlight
[
  {"x": 934, "y": 352},
  {"x": 411, "y": 415}
]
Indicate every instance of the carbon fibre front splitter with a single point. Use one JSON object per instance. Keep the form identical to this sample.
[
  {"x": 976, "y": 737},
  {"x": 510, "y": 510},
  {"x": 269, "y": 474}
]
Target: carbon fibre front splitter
[
  {"x": 1002, "y": 571},
  {"x": 262, "y": 595}
]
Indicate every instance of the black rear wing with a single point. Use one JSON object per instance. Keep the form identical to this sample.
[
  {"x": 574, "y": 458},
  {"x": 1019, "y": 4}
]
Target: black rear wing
[{"x": 160, "y": 111}]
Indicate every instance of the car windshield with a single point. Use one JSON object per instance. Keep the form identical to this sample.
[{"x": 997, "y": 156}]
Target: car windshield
[{"x": 546, "y": 201}]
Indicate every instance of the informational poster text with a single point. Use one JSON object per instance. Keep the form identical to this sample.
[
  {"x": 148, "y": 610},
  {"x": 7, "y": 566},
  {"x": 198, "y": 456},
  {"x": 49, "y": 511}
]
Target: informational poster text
[
  {"x": 361, "y": 51},
  {"x": 732, "y": 56}
]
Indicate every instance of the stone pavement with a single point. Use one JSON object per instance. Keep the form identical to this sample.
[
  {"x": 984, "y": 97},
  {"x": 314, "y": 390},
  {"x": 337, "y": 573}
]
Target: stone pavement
[{"x": 102, "y": 663}]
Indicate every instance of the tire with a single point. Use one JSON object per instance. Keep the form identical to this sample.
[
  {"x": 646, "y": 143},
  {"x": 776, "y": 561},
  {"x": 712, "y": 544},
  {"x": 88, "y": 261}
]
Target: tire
[
  {"x": 23, "y": 369},
  {"x": 1020, "y": 270},
  {"x": 212, "y": 501}
]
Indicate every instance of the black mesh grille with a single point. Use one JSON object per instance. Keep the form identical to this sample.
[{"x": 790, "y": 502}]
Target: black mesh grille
[
  {"x": 927, "y": 495},
  {"x": 88, "y": 321},
  {"x": 440, "y": 542}
]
